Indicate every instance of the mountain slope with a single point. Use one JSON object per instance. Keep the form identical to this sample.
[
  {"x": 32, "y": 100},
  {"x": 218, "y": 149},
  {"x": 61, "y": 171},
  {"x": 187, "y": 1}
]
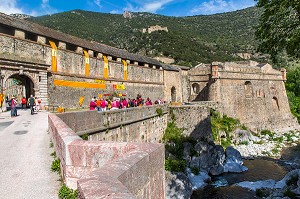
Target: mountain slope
[{"x": 189, "y": 40}]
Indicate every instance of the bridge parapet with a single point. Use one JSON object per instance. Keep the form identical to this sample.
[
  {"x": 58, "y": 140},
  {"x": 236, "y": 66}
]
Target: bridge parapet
[
  {"x": 131, "y": 124},
  {"x": 100, "y": 169}
]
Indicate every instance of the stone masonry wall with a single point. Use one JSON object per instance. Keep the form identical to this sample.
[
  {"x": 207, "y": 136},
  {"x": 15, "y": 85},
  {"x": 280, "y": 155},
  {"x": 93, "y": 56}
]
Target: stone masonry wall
[
  {"x": 194, "y": 120},
  {"x": 260, "y": 110},
  {"x": 101, "y": 169},
  {"x": 255, "y": 95},
  {"x": 172, "y": 79},
  {"x": 144, "y": 80},
  {"x": 139, "y": 124}
]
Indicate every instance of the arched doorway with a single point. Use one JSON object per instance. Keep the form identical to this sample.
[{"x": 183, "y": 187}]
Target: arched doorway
[
  {"x": 18, "y": 86},
  {"x": 173, "y": 94},
  {"x": 196, "y": 88},
  {"x": 275, "y": 104},
  {"x": 248, "y": 89}
]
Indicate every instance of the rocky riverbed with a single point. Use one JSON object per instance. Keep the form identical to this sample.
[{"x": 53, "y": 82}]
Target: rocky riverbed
[{"x": 207, "y": 161}]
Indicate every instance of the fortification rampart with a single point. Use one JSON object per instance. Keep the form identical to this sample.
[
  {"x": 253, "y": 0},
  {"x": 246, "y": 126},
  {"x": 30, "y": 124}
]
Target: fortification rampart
[
  {"x": 194, "y": 119},
  {"x": 254, "y": 93},
  {"x": 139, "y": 124},
  {"x": 101, "y": 169},
  {"x": 72, "y": 77}
]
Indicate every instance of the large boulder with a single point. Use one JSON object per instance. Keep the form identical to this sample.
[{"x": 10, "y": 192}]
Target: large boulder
[
  {"x": 198, "y": 180},
  {"x": 217, "y": 158},
  {"x": 178, "y": 186},
  {"x": 201, "y": 146},
  {"x": 187, "y": 149},
  {"x": 290, "y": 179},
  {"x": 244, "y": 136},
  {"x": 233, "y": 162},
  {"x": 233, "y": 155}
]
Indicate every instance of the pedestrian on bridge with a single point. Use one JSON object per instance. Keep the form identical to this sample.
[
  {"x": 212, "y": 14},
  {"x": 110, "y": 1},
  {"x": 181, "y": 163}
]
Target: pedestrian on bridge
[{"x": 31, "y": 102}]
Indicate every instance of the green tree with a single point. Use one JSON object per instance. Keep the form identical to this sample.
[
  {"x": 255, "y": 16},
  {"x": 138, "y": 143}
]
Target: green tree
[
  {"x": 293, "y": 91},
  {"x": 279, "y": 27}
]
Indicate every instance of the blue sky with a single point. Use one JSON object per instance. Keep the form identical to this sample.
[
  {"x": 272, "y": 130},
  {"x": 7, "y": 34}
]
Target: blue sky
[{"x": 164, "y": 7}]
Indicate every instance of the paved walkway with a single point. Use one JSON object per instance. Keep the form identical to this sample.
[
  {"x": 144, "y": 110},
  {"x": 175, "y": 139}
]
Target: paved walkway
[{"x": 25, "y": 159}]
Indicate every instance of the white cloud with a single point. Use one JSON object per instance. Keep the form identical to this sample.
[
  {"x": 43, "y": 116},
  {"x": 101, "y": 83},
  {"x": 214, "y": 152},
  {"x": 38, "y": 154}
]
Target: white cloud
[
  {"x": 114, "y": 12},
  {"x": 147, "y": 6},
  {"x": 46, "y": 9},
  {"x": 219, "y": 6},
  {"x": 98, "y": 3},
  {"x": 10, "y": 7}
]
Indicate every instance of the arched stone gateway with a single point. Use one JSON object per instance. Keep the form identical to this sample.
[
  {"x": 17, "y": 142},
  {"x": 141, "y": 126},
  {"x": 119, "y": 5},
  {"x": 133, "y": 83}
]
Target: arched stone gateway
[
  {"x": 18, "y": 86},
  {"x": 23, "y": 78}
]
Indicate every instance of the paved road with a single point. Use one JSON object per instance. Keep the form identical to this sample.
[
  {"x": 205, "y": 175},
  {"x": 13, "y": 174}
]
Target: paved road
[{"x": 25, "y": 159}]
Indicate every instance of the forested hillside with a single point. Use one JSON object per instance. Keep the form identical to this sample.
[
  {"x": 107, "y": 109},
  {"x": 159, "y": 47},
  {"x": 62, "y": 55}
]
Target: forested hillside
[{"x": 189, "y": 40}]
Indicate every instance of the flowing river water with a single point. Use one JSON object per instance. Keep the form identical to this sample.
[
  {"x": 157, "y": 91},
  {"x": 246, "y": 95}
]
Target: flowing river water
[{"x": 222, "y": 187}]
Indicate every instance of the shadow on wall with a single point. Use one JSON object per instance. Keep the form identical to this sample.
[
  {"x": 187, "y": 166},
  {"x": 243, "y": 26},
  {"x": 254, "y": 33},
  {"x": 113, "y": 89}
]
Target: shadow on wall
[
  {"x": 203, "y": 130},
  {"x": 203, "y": 94}
]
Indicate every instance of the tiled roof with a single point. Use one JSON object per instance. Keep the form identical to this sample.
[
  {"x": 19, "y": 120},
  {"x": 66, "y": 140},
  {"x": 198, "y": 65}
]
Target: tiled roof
[{"x": 50, "y": 33}]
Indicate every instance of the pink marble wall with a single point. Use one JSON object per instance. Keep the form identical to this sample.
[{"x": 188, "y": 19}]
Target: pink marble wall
[{"x": 100, "y": 169}]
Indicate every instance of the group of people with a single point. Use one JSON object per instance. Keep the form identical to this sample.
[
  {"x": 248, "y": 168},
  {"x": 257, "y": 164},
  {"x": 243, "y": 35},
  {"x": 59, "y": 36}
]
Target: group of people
[
  {"x": 101, "y": 104},
  {"x": 33, "y": 102}
]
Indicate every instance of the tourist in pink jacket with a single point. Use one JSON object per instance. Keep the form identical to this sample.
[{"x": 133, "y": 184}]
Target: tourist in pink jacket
[{"x": 93, "y": 105}]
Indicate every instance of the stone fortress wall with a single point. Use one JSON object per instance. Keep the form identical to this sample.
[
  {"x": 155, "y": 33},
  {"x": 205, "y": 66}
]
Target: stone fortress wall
[
  {"x": 252, "y": 92},
  {"x": 64, "y": 68},
  {"x": 76, "y": 67}
]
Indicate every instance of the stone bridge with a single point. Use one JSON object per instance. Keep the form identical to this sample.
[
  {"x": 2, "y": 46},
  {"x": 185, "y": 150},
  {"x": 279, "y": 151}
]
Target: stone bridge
[{"x": 133, "y": 165}]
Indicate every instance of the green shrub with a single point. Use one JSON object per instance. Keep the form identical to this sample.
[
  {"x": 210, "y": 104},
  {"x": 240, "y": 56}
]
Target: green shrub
[
  {"x": 267, "y": 132},
  {"x": 55, "y": 167},
  {"x": 159, "y": 112},
  {"x": 244, "y": 143},
  {"x": 175, "y": 165},
  {"x": 225, "y": 124},
  {"x": 67, "y": 193},
  {"x": 225, "y": 142},
  {"x": 262, "y": 193},
  {"x": 172, "y": 133},
  {"x": 292, "y": 181},
  {"x": 53, "y": 154},
  {"x": 278, "y": 139},
  {"x": 51, "y": 144},
  {"x": 259, "y": 142},
  {"x": 195, "y": 170},
  {"x": 290, "y": 194},
  {"x": 85, "y": 136}
]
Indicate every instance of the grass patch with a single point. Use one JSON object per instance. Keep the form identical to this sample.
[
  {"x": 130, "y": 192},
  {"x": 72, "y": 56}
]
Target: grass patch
[
  {"x": 55, "y": 167},
  {"x": 159, "y": 112},
  {"x": 175, "y": 165},
  {"x": 259, "y": 142},
  {"x": 224, "y": 124},
  {"x": 67, "y": 193},
  {"x": 53, "y": 154},
  {"x": 244, "y": 143},
  {"x": 262, "y": 193},
  {"x": 267, "y": 132},
  {"x": 278, "y": 139},
  {"x": 290, "y": 194},
  {"x": 195, "y": 170},
  {"x": 85, "y": 136},
  {"x": 292, "y": 181}
]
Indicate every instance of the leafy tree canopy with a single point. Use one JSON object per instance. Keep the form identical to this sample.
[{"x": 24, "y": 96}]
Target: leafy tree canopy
[{"x": 279, "y": 28}]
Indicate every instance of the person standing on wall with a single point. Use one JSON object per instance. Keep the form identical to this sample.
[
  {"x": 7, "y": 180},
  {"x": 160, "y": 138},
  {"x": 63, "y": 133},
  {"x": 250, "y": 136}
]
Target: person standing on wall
[{"x": 31, "y": 102}]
